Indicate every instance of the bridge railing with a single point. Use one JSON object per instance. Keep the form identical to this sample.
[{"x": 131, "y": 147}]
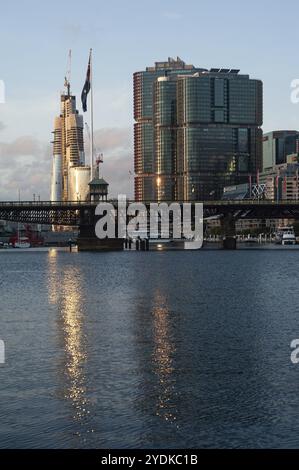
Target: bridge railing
[
  {"x": 45, "y": 203},
  {"x": 79, "y": 204},
  {"x": 254, "y": 202}
]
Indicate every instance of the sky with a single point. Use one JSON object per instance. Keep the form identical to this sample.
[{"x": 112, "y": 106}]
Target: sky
[{"x": 260, "y": 38}]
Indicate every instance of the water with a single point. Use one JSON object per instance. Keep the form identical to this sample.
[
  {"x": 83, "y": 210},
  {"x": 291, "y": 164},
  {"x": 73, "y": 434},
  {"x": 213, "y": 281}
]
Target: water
[{"x": 163, "y": 349}]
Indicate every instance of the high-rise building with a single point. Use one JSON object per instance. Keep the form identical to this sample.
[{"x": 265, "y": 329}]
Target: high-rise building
[
  {"x": 145, "y": 105},
  {"x": 70, "y": 175},
  {"x": 277, "y": 145},
  {"x": 196, "y": 131}
]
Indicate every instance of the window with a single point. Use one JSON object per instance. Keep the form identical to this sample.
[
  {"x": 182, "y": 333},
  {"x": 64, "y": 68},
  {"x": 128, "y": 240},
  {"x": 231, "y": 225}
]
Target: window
[
  {"x": 219, "y": 115},
  {"x": 219, "y": 92}
]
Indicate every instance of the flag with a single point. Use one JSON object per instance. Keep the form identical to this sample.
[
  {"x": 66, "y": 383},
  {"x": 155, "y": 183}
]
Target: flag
[{"x": 86, "y": 87}]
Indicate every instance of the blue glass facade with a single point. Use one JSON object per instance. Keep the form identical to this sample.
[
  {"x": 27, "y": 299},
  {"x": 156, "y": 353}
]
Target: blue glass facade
[
  {"x": 219, "y": 139},
  {"x": 150, "y": 102},
  {"x": 205, "y": 131}
]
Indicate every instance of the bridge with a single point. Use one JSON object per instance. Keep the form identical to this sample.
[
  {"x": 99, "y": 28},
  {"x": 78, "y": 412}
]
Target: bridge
[
  {"x": 44, "y": 212},
  {"x": 73, "y": 213},
  {"x": 82, "y": 215}
]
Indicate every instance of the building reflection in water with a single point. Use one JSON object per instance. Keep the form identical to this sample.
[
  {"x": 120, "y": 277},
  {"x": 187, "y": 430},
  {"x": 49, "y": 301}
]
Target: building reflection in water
[
  {"x": 163, "y": 359},
  {"x": 65, "y": 291}
]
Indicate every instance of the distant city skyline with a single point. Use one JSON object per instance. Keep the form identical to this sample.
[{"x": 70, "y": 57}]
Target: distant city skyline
[{"x": 34, "y": 44}]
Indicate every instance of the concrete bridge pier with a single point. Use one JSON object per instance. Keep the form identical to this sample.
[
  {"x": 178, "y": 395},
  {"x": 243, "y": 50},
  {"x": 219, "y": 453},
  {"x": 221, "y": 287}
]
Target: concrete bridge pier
[
  {"x": 87, "y": 239},
  {"x": 228, "y": 223}
]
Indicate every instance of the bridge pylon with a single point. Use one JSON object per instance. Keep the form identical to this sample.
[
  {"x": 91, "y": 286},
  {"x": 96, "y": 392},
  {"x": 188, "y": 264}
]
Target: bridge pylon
[
  {"x": 87, "y": 239},
  {"x": 228, "y": 224}
]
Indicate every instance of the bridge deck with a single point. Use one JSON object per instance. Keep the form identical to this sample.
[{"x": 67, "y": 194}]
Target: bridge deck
[{"x": 81, "y": 213}]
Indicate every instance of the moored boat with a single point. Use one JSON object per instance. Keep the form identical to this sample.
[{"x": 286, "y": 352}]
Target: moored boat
[
  {"x": 22, "y": 242},
  {"x": 285, "y": 236}
]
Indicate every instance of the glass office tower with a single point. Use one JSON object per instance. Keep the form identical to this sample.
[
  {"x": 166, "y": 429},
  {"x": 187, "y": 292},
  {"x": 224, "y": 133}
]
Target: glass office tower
[
  {"x": 202, "y": 132},
  {"x": 147, "y": 99}
]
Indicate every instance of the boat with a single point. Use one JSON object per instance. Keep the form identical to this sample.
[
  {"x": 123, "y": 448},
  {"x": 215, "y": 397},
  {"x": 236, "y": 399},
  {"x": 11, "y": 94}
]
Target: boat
[
  {"x": 22, "y": 242},
  {"x": 285, "y": 236},
  {"x": 18, "y": 241},
  {"x": 250, "y": 239}
]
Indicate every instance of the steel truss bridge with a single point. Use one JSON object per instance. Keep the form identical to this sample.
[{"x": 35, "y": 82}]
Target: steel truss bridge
[{"x": 83, "y": 213}]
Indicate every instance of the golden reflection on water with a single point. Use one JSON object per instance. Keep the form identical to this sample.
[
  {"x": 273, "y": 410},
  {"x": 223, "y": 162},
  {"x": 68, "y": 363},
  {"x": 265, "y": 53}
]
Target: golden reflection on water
[
  {"x": 163, "y": 364},
  {"x": 65, "y": 291},
  {"x": 53, "y": 284}
]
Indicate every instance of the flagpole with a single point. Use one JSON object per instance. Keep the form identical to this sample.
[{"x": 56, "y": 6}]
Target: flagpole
[{"x": 91, "y": 118}]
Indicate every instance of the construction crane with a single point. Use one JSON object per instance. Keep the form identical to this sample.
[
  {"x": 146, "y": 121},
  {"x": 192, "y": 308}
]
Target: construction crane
[{"x": 67, "y": 78}]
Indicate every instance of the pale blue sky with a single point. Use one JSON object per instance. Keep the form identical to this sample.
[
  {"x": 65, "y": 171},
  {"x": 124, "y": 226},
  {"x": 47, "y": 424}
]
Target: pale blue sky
[{"x": 259, "y": 37}]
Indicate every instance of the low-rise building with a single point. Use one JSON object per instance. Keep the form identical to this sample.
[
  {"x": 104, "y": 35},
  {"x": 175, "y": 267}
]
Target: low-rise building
[
  {"x": 277, "y": 145},
  {"x": 282, "y": 181}
]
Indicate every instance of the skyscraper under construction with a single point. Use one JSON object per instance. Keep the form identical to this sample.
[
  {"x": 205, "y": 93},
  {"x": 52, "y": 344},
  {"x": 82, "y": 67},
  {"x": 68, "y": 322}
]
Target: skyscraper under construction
[{"x": 70, "y": 175}]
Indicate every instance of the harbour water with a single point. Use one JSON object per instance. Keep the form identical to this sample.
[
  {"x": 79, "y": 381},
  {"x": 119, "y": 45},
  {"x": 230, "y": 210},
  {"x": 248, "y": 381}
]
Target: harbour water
[{"x": 162, "y": 349}]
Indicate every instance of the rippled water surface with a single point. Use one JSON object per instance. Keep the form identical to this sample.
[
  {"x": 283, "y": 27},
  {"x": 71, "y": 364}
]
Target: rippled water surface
[{"x": 163, "y": 349}]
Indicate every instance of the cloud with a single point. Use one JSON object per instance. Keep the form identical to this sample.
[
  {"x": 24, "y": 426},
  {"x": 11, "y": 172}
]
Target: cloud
[
  {"x": 31, "y": 114},
  {"x": 2, "y": 126},
  {"x": 25, "y": 164},
  {"x": 23, "y": 146},
  {"x": 113, "y": 140},
  {"x": 117, "y": 103},
  {"x": 117, "y": 146}
]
